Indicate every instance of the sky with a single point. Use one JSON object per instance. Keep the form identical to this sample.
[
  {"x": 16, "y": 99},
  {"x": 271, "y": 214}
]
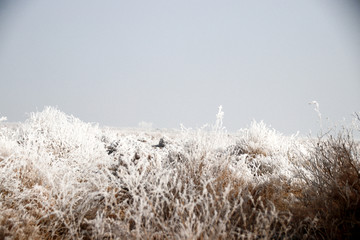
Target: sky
[{"x": 168, "y": 62}]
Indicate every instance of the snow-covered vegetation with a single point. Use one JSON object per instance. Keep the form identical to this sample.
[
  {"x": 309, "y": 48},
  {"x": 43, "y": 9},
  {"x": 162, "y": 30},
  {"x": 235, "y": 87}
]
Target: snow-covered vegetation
[{"x": 61, "y": 178}]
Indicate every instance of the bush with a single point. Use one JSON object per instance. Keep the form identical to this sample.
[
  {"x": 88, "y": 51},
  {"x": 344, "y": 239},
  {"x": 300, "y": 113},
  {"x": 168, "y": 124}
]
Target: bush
[{"x": 332, "y": 193}]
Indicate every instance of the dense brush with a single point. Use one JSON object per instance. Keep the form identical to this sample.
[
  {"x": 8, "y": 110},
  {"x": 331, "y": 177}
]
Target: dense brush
[{"x": 61, "y": 178}]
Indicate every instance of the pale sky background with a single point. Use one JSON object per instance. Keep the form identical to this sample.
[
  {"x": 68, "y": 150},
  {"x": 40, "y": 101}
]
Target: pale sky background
[{"x": 169, "y": 62}]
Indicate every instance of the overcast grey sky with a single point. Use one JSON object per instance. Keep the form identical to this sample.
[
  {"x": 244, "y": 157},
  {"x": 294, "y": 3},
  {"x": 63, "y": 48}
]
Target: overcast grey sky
[{"x": 169, "y": 62}]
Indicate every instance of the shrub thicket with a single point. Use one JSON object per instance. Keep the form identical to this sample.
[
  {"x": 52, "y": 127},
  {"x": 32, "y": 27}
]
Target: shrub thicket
[{"x": 61, "y": 178}]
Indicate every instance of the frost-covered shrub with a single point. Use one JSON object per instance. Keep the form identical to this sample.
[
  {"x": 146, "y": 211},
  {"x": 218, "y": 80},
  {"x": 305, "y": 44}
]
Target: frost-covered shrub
[
  {"x": 62, "y": 135},
  {"x": 61, "y": 178},
  {"x": 56, "y": 163},
  {"x": 333, "y": 186},
  {"x": 267, "y": 152},
  {"x": 260, "y": 139}
]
